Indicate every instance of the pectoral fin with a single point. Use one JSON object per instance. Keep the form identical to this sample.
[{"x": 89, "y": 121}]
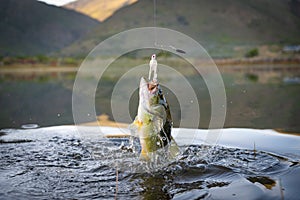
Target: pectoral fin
[
  {"x": 173, "y": 149},
  {"x": 134, "y": 127}
]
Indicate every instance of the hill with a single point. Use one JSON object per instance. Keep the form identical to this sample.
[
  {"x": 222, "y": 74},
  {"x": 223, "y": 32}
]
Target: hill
[
  {"x": 29, "y": 27},
  {"x": 219, "y": 25},
  {"x": 98, "y": 9}
]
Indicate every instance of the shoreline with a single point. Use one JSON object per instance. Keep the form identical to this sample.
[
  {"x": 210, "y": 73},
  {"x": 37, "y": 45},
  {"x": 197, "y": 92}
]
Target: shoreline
[
  {"x": 220, "y": 62},
  {"x": 257, "y": 61}
]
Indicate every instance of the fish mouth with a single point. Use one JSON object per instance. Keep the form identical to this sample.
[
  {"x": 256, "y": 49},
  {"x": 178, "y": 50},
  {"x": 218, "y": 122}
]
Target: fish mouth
[{"x": 152, "y": 87}]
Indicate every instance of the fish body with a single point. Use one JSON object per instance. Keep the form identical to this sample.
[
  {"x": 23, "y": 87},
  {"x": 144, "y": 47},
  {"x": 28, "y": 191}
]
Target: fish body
[{"x": 153, "y": 122}]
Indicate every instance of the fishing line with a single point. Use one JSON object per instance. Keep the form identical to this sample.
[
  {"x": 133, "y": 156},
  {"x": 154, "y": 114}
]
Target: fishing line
[
  {"x": 155, "y": 33},
  {"x": 154, "y": 22}
]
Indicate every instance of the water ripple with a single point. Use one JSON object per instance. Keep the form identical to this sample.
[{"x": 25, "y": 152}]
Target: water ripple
[{"x": 74, "y": 168}]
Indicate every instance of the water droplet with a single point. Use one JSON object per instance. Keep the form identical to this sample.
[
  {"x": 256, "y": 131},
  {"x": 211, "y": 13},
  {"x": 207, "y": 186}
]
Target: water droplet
[{"x": 58, "y": 115}]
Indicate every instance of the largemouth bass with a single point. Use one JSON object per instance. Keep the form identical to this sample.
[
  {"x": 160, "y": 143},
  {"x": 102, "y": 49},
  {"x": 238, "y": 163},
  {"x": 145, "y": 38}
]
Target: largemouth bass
[{"x": 153, "y": 122}]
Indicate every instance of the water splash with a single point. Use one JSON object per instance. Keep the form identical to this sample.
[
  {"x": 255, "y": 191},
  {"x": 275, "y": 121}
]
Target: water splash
[
  {"x": 126, "y": 155},
  {"x": 30, "y": 126},
  {"x": 85, "y": 168}
]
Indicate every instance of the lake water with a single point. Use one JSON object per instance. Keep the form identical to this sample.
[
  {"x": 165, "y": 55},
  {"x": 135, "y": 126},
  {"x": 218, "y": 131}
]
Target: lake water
[
  {"x": 258, "y": 96},
  {"x": 60, "y": 163},
  {"x": 41, "y": 160}
]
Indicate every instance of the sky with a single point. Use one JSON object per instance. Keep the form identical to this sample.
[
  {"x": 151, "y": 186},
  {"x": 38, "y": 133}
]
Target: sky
[{"x": 57, "y": 2}]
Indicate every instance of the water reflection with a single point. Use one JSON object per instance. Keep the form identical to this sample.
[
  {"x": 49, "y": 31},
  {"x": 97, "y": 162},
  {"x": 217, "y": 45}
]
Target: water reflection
[
  {"x": 265, "y": 181},
  {"x": 259, "y": 96}
]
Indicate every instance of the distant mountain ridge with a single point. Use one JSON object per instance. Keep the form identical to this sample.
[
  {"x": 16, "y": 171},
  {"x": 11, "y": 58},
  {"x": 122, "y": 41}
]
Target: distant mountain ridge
[
  {"x": 30, "y": 27},
  {"x": 219, "y": 25},
  {"x": 98, "y": 9}
]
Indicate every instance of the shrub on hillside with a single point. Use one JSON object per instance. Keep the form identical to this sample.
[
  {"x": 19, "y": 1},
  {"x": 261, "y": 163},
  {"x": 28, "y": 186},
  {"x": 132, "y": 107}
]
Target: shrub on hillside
[{"x": 252, "y": 53}]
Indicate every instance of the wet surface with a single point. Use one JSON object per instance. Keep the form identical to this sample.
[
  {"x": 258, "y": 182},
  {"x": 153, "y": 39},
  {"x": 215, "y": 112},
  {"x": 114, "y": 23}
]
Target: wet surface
[{"x": 60, "y": 163}]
